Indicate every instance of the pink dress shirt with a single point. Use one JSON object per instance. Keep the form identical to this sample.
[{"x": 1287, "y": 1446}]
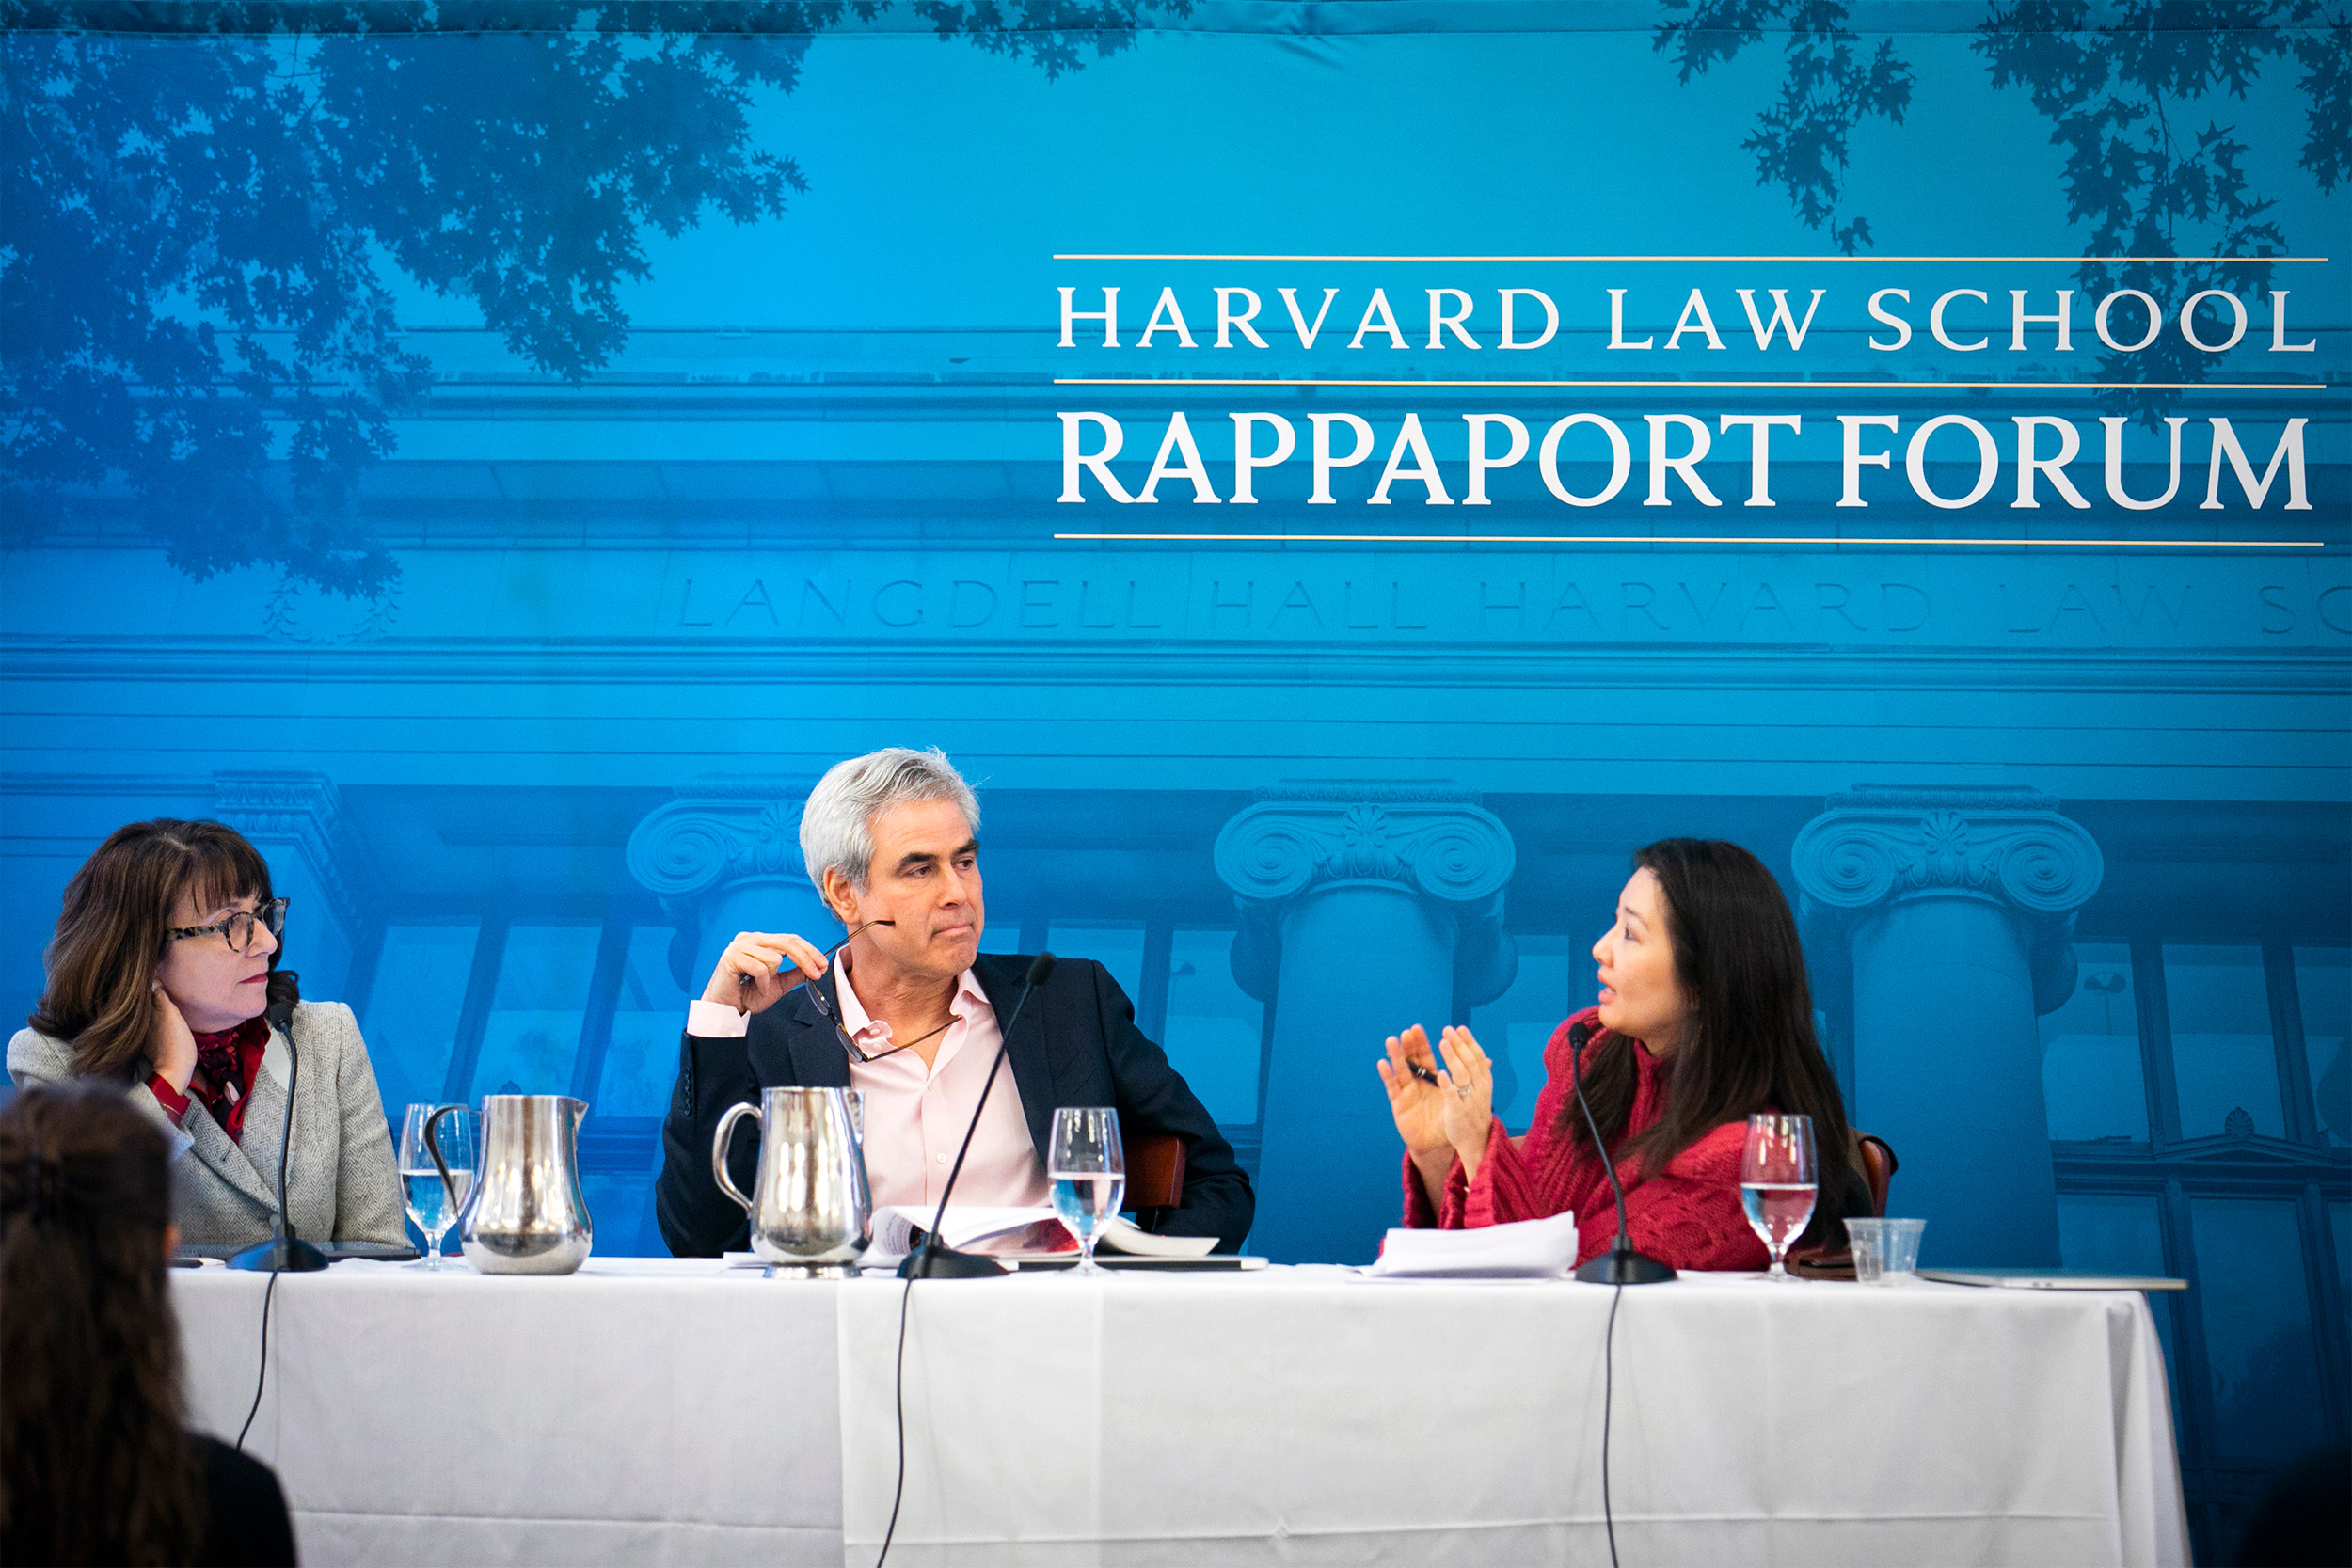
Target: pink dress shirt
[{"x": 915, "y": 1115}]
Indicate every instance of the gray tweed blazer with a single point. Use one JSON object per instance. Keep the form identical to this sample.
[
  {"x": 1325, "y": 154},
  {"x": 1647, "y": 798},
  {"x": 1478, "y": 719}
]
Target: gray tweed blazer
[{"x": 343, "y": 1184}]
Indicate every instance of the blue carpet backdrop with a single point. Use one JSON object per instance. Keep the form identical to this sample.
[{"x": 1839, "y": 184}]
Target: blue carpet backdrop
[{"x": 1338, "y": 478}]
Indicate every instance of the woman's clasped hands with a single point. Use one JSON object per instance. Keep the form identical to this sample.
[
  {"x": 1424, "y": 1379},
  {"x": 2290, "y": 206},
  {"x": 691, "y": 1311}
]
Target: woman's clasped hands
[{"x": 1440, "y": 1112}]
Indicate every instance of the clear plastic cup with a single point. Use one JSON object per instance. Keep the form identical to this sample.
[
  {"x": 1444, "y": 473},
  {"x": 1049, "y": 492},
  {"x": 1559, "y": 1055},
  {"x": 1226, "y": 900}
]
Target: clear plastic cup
[{"x": 1885, "y": 1252}]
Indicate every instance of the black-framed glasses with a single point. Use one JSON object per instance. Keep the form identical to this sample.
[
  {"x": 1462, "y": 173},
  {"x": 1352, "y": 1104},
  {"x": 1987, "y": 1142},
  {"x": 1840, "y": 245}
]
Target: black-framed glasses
[
  {"x": 858, "y": 1053},
  {"x": 236, "y": 926}
]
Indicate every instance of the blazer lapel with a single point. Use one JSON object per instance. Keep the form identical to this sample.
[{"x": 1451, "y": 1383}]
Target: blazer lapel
[
  {"x": 811, "y": 1041},
  {"x": 277, "y": 1062},
  {"x": 1025, "y": 1047},
  {"x": 210, "y": 1142},
  {"x": 266, "y": 1107}
]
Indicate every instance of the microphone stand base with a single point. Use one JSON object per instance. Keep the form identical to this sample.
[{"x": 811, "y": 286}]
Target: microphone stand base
[
  {"x": 1625, "y": 1267},
  {"x": 946, "y": 1263},
  {"x": 285, "y": 1255}
]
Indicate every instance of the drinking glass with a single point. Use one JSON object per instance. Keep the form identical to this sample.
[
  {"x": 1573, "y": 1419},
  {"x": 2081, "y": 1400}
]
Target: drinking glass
[
  {"x": 1778, "y": 1181},
  {"x": 1088, "y": 1170},
  {"x": 1885, "y": 1252},
  {"x": 430, "y": 1203}
]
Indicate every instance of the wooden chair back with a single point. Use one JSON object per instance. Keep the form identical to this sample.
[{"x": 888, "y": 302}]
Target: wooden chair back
[
  {"x": 1875, "y": 1158},
  {"x": 1155, "y": 1177}
]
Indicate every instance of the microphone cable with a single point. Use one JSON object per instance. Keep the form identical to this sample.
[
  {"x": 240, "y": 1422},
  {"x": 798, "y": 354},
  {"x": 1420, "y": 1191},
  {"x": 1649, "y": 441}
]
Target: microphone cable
[
  {"x": 260, "y": 1377},
  {"x": 898, "y": 1400},
  {"x": 1039, "y": 969},
  {"x": 1608, "y": 1397}
]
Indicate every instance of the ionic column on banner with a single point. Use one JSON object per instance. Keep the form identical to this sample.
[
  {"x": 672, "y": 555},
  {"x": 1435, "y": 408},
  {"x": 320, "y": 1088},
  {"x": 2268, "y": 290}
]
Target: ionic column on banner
[
  {"x": 1364, "y": 909},
  {"x": 1957, "y": 909},
  {"x": 726, "y": 857}
]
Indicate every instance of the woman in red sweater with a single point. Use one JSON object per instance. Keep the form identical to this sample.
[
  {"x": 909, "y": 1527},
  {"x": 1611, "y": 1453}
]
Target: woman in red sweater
[{"x": 1705, "y": 1018}]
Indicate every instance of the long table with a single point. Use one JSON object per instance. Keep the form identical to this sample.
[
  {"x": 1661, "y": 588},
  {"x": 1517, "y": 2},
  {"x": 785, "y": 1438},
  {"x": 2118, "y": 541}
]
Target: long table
[{"x": 677, "y": 1412}]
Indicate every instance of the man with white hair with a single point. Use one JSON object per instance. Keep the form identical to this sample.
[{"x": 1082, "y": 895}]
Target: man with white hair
[{"x": 908, "y": 1011}]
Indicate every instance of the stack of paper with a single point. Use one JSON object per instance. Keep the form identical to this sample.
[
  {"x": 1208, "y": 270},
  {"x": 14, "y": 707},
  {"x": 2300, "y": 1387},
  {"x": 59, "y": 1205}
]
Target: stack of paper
[{"x": 1530, "y": 1249}]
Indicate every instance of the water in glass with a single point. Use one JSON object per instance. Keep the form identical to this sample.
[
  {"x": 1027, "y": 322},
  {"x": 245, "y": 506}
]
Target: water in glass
[
  {"x": 429, "y": 1202},
  {"x": 1779, "y": 1210},
  {"x": 1778, "y": 1181},
  {"x": 1084, "y": 1202},
  {"x": 431, "y": 1205},
  {"x": 1088, "y": 1170}
]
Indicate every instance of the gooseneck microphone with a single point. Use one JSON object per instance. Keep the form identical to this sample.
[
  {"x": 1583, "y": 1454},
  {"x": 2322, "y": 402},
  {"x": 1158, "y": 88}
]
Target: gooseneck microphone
[
  {"x": 285, "y": 1252},
  {"x": 1620, "y": 1265},
  {"x": 933, "y": 1259}
]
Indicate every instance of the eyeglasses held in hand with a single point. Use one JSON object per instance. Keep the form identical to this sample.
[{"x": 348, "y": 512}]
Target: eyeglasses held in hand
[
  {"x": 236, "y": 928},
  {"x": 817, "y": 995}
]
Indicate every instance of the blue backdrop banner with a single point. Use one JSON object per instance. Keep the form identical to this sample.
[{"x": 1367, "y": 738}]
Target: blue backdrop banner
[{"x": 1337, "y": 479}]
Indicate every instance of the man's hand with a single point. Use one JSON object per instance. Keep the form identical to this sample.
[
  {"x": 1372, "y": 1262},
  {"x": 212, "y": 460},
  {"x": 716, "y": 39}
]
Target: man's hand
[{"x": 759, "y": 967}]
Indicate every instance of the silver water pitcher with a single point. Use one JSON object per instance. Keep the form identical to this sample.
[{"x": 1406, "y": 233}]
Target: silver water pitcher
[
  {"x": 814, "y": 1212},
  {"x": 525, "y": 1213}
]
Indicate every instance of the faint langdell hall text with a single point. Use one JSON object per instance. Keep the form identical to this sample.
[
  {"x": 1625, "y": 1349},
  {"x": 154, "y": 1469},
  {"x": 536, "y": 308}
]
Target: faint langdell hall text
[{"x": 1242, "y": 598}]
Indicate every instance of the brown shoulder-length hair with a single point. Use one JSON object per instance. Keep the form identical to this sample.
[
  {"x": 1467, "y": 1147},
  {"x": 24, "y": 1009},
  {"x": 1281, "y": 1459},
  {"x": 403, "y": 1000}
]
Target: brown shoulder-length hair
[
  {"x": 100, "y": 992},
  {"x": 1750, "y": 1044},
  {"x": 96, "y": 1466}
]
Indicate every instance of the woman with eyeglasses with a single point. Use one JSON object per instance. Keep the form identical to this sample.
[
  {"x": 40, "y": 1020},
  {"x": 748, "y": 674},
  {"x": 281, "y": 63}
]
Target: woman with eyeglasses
[{"x": 163, "y": 978}]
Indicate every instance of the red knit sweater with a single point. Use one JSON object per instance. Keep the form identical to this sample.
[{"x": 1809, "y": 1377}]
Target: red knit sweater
[{"x": 1687, "y": 1215}]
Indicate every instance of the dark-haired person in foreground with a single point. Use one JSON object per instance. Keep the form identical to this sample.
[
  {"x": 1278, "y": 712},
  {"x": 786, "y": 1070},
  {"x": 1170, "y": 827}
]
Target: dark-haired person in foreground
[
  {"x": 163, "y": 981},
  {"x": 96, "y": 1464},
  {"x": 1705, "y": 1020},
  {"x": 911, "y": 1014}
]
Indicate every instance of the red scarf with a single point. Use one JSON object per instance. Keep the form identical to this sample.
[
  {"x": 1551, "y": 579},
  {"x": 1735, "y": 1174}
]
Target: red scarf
[{"x": 230, "y": 1062}]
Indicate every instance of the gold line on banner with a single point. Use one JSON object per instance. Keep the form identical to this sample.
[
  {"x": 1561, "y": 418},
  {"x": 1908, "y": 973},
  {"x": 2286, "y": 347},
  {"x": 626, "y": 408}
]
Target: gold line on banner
[
  {"x": 1882, "y": 386},
  {"x": 1696, "y": 539},
  {"x": 2103, "y": 261}
]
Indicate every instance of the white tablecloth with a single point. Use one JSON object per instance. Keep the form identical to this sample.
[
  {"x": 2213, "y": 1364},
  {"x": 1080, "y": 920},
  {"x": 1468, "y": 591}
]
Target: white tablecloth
[
  {"x": 1310, "y": 1416},
  {"x": 668, "y": 1412},
  {"x": 639, "y": 1412}
]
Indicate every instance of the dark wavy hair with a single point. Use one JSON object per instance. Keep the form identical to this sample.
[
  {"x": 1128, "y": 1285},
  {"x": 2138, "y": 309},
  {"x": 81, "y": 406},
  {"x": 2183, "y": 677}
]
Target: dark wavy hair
[
  {"x": 100, "y": 964},
  {"x": 1750, "y": 1046},
  {"x": 95, "y": 1462}
]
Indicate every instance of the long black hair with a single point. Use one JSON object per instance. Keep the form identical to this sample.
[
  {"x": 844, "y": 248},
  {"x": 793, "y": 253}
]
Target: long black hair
[
  {"x": 1749, "y": 1044},
  {"x": 95, "y": 1463}
]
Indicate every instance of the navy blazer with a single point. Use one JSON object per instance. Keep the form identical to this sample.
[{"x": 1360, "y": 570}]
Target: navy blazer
[{"x": 1076, "y": 1044}]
